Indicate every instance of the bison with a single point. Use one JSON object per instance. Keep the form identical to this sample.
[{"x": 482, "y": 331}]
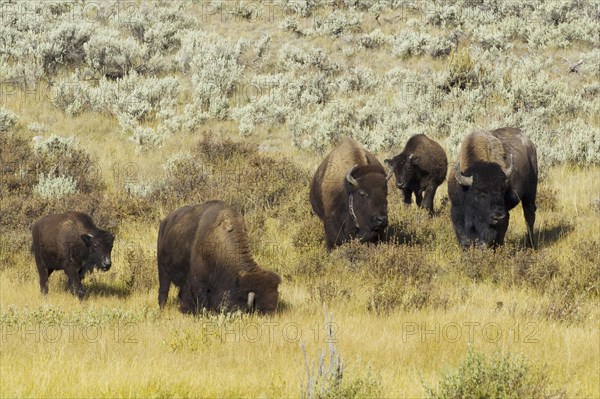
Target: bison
[
  {"x": 420, "y": 168},
  {"x": 495, "y": 170},
  {"x": 349, "y": 194},
  {"x": 203, "y": 250},
  {"x": 71, "y": 242}
]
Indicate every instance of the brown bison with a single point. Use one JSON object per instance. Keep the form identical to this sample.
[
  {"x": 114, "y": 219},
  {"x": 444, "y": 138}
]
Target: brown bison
[
  {"x": 203, "y": 250},
  {"x": 71, "y": 242},
  {"x": 495, "y": 170},
  {"x": 349, "y": 194},
  {"x": 420, "y": 168}
]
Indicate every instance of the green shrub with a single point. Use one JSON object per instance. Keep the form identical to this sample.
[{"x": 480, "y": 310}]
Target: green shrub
[
  {"x": 464, "y": 71},
  {"x": 501, "y": 376}
]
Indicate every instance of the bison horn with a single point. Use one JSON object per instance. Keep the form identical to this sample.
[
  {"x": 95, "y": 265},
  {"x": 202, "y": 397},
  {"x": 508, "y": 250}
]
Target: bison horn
[
  {"x": 466, "y": 181},
  {"x": 389, "y": 174},
  {"x": 508, "y": 171},
  {"x": 349, "y": 177},
  {"x": 251, "y": 296}
]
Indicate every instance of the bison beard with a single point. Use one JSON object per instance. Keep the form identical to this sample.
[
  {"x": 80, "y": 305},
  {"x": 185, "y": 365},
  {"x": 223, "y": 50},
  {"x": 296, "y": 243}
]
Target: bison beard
[
  {"x": 203, "y": 249},
  {"x": 500, "y": 170}
]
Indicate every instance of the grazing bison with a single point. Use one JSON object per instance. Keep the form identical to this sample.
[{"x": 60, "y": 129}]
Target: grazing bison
[
  {"x": 420, "y": 167},
  {"x": 495, "y": 170},
  {"x": 71, "y": 242},
  {"x": 203, "y": 250},
  {"x": 349, "y": 194}
]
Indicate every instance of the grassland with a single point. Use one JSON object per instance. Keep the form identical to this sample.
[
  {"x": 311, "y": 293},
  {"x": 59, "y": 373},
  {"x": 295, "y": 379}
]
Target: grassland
[{"x": 405, "y": 313}]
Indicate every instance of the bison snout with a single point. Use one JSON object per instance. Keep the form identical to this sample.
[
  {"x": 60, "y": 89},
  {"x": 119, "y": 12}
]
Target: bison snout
[
  {"x": 497, "y": 217},
  {"x": 379, "y": 221},
  {"x": 401, "y": 185},
  {"x": 106, "y": 264}
]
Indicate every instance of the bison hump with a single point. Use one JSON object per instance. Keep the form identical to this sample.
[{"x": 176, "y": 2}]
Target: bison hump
[{"x": 480, "y": 146}]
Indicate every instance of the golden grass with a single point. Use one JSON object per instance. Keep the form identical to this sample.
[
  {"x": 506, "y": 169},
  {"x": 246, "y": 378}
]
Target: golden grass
[{"x": 170, "y": 354}]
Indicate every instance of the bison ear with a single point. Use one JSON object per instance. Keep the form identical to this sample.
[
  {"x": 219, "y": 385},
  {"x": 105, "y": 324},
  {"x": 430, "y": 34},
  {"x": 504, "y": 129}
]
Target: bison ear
[
  {"x": 87, "y": 239},
  {"x": 389, "y": 163}
]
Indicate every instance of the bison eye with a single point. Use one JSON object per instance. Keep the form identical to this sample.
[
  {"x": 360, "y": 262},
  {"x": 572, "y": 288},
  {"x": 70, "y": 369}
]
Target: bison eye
[{"x": 363, "y": 193}]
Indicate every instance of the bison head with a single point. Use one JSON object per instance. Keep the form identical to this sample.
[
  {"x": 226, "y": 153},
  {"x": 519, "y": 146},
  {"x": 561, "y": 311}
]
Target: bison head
[
  {"x": 404, "y": 168},
  {"x": 366, "y": 187},
  {"x": 483, "y": 187},
  {"x": 100, "y": 244},
  {"x": 257, "y": 290}
]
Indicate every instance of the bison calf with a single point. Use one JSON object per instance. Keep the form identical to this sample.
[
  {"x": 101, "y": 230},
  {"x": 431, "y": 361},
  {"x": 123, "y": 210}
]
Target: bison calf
[
  {"x": 495, "y": 171},
  {"x": 71, "y": 242},
  {"x": 420, "y": 168},
  {"x": 349, "y": 194},
  {"x": 203, "y": 250}
]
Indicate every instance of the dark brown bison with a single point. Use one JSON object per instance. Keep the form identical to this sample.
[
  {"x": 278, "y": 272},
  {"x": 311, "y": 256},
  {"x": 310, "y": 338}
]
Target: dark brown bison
[
  {"x": 495, "y": 170},
  {"x": 420, "y": 168},
  {"x": 203, "y": 250},
  {"x": 71, "y": 242},
  {"x": 349, "y": 194}
]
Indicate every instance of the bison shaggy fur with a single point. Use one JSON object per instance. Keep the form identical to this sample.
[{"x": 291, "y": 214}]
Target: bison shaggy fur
[
  {"x": 420, "y": 168},
  {"x": 203, "y": 250},
  {"x": 71, "y": 242},
  {"x": 495, "y": 171},
  {"x": 349, "y": 194}
]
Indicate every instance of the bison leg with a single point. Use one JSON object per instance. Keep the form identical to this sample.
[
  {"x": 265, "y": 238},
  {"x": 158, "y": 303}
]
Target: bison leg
[
  {"x": 407, "y": 196},
  {"x": 43, "y": 273},
  {"x": 164, "y": 283},
  {"x": 458, "y": 222},
  {"x": 419, "y": 196},
  {"x": 74, "y": 281},
  {"x": 333, "y": 234},
  {"x": 429, "y": 195},
  {"x": 529, "y": 209},
  {"x": 192, "y": 297}
]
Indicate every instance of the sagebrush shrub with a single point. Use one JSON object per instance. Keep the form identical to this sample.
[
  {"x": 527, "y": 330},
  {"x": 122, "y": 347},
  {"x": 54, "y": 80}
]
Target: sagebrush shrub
[
  {"x": 499, "y": 376},
  {"x": 112, "y": 55},
  {"x": 61, "y": 156},
  {"x": 373, "y": 40},
  {"x": 7, "y": 119},
  {"x": 64, "y": 46},
  {"x": 336, "y": 23},
  {"x": 55, "y": 186},
  {"x": 71, "y": 96}
]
